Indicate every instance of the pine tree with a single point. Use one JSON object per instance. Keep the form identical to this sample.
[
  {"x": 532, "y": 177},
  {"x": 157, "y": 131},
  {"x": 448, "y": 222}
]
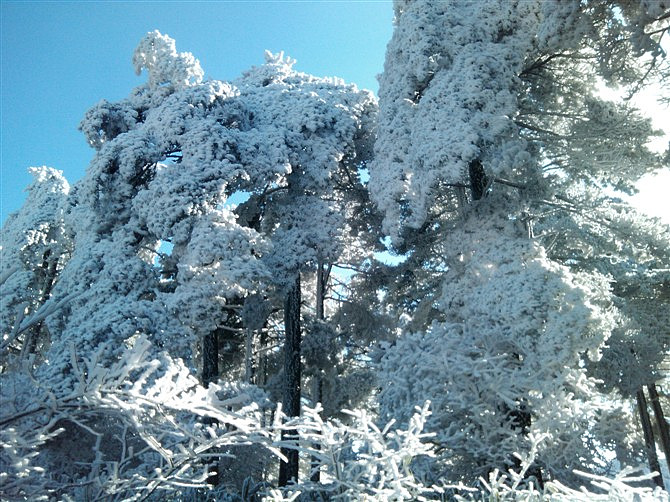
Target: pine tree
[
  {"x": 305, "y": 210},
  {"x": 490, "y": 120},
  {"x": 159, "y": 249}
]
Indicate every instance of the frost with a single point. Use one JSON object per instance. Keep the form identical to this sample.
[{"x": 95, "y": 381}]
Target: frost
[
  {"x": 138, "y": 416},
  {"x": 527, "y": 307},
  {"x": 511, "y": 344},
  {"x": 502, "y": 83},
  {"x": 448, "y": 96},
  {"x": 157, "y": 54}
]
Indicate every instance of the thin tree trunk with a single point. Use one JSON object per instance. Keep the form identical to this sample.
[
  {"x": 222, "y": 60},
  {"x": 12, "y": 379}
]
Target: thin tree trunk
[
  {"x": 292, "y": 369},
  {"x": 648, "y": 436},
  {"x": 210, "y": 358},
  {"x": 262, "y": 370},
  {"x": 462, "y": 201},
  {"x": 249, "y": 356},
  {"x": 478, "y": 179},
  {"x": 49, "y": 268},
  {"x": 317, "y": 386},
  {"x": 317, "y": 393},
  {"x": 210, "y": 373},
  {"x": 662, "y": 423}
]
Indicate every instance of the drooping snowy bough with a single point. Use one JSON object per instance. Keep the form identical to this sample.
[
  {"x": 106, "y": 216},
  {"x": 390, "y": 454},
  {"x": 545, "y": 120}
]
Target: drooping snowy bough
[{"x": 509, "y": 89}]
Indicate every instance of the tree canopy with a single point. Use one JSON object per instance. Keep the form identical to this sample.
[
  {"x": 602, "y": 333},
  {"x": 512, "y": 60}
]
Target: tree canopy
[{"x": 206, "y": 315}]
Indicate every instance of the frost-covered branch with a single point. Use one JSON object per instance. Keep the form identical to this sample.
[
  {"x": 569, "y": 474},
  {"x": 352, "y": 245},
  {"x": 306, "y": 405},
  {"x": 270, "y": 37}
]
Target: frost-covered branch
[
  {"x": 42, "y": 313},
  {"x": 152, "y": 406},
  {"x": 360, "y": 461}
]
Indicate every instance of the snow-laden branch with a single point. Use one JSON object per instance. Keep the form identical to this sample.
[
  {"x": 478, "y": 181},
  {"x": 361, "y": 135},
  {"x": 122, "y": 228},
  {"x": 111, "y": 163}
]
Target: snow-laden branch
[
  {"x": 157, "y": 54},
  {"x": 360, "y": 460},
  {"x": 8, "y": 273},
  {"x": 47, "y": 309},
  {"x": 156, "y": 408}
]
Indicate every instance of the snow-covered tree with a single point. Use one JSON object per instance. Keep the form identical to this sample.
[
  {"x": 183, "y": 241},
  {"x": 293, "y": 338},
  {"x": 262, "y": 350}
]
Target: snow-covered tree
[
  {"x": 504, "y": 363},
  {"x": 160, "y": 251},
  {"x": 226, "y": 230},
  {"x": 321, "y": 130},
  {"x": 519, "y": 81},
  {"x": 158, "y": 176},
  {"x": 490, "y": 121},
  {"x": 154, "y": 180},
  {"x": 633, "y": 251},
  {"x": 35, "y": 247}
]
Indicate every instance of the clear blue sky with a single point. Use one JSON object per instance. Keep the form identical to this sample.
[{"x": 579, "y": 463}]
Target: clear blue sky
[{"x": 61, "y": 57}]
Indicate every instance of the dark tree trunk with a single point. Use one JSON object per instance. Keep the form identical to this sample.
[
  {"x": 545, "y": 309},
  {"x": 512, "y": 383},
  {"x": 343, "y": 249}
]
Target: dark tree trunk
[
  {"x": 292, "y": 369},
  {"x": 521, "y": 419},
  {"x": 478, "y": 179},
  {"x": 662, "y": 423},
  {"x": 210, "y": 373},
  {"x": 317, "y": 388},
  {"x": 49, "y": 269},
  {"x": 317, "y": 393},
  {"x": 210, "y": 358},
  {"x": 648, "y": 436},
  {"x": 261, "y": 376},
  {"x": 249, "y": 356}
]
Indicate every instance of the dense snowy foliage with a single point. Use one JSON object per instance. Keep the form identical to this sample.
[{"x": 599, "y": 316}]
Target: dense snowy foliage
[
  {"x": 495, "y": 165},
  {"x": 507, "y": 84},
  {"x": 514, "y": 334},
  {"x": 204, "y": 316},
  {"x": 158, "y": 249},
  {"x": 168, "y": 157}
]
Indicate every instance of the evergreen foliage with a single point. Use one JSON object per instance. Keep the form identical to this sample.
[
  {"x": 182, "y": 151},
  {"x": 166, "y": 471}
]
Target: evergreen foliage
[{"x": 204, "y": 316}]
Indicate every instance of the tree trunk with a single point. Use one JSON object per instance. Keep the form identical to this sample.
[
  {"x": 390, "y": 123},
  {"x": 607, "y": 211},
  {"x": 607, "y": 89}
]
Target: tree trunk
[
  {"x": 249, "y": 356},
  {"x": 49, "y": 267},
  {"x": 519, "y": 418},
  {"x": 210, "y": 358},
  {"x": 662, "y": 423},
  {"x": 261, "y": 376},
  {"x": 317, "y": 386},
  {"x": 648, "y": 436},
  {"x": 210, "y": 373},
  {"x": 461, "y": 201},
  {"x": 478, "y": 179},
  {"x": 317, "y": 393},
  {"x": 292, "y": 369}
]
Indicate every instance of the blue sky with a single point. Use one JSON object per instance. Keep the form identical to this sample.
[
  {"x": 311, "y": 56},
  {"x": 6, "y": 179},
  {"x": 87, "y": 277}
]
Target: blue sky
[{"x": 60, "y": 58}]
